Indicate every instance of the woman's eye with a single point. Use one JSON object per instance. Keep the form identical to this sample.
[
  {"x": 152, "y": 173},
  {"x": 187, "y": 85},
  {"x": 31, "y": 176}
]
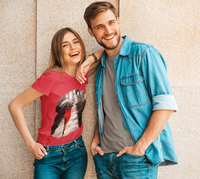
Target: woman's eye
[
  {"x": 66, "y": 45},
  {"x": 76, "y": 42}
]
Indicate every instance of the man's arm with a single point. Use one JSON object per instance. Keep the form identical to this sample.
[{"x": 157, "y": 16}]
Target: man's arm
[
  {"x": 94, "y": 148},
  {"x": 155, "y": 126},
  {"x": 154, "y": 71}
]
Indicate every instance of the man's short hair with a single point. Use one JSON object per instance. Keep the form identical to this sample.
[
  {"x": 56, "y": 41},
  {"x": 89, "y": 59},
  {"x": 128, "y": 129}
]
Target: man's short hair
[{"x": 95, "y": 8}]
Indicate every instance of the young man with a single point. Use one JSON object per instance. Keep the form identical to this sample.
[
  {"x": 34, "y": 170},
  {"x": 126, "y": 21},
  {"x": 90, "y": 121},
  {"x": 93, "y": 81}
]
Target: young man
[{"x": 134, "y": 100}]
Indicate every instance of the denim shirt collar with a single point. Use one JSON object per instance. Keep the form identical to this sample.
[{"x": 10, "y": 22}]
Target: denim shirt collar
[{"x": 124, "y": 50}]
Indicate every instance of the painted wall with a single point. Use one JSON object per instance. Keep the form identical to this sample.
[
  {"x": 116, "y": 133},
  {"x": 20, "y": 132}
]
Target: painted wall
[{"x": 27, "y": 28}]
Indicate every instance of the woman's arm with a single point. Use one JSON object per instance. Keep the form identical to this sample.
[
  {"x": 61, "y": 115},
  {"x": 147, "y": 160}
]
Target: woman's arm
[
  {"x": 15, "y": 108},
  {"x": 89, "y": 65},
  {"x": 94, "y": 64}
]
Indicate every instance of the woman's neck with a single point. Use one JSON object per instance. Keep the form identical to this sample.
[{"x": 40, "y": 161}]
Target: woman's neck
[{"x": 71, "y": 70}]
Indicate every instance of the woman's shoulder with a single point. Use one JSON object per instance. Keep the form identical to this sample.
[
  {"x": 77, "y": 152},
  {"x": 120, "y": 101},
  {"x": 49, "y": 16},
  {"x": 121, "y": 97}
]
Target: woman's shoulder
[
  {"x": 53, "y": 74},
  {"x": 55, "y": 70}
]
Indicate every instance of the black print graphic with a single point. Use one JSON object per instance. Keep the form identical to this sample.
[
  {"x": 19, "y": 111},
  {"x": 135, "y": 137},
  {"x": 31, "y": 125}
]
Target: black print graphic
[{"x": 69, "y": 109}]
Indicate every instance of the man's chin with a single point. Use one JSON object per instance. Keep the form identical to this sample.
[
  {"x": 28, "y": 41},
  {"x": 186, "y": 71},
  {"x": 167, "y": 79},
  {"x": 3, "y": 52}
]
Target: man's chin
[
  {"x": 111, "y": 47},
  {"x": 108, "y": 47}
]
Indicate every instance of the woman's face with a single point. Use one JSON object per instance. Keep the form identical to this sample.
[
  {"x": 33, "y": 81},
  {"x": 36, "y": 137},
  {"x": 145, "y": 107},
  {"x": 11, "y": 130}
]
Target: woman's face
[{"x": 71, "y": 48}]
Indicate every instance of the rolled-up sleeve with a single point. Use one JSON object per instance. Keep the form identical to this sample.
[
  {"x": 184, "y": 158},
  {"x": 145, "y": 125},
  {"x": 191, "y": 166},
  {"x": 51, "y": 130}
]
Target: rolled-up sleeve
[
  {"x": 166, "y": 102},
  {"x": 154, "y": 71}
]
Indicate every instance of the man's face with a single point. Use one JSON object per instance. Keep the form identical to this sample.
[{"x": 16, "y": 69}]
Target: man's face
[{"x": 105, "y": 28}]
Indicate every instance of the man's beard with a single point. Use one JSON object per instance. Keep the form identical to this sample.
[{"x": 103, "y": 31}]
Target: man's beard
[{"x": 108, "y": 47}]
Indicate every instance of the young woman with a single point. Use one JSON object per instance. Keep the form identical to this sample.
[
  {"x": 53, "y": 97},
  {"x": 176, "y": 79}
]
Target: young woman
[{"x": 60, "y": 151}]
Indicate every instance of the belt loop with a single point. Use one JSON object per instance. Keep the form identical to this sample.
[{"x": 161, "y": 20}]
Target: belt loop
[
  {"x": 75, "y": 144},
  {"x": 47, "y": 149}
]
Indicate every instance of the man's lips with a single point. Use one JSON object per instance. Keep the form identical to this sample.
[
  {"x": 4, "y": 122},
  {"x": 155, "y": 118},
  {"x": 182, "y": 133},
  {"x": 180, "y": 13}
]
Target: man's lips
[{"x": 110, "y": 37}]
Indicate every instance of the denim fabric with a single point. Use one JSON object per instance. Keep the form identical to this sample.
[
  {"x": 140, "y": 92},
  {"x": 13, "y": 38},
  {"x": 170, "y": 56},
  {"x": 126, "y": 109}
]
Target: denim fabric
[
  {"x": 142, "y": 86},
  {"x": 63, "y": 162},
  {"x": 109, "y": 166}
]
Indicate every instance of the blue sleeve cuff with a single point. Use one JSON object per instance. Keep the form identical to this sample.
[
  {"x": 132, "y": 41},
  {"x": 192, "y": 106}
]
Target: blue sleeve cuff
[{"x": 166, "y": 102}]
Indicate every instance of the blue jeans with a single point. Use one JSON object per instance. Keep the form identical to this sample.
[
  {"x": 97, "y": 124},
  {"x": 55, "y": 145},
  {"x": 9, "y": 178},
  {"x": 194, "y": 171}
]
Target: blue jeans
[
  {"x": 109, "y": 166},
  {"x": 65, "y": 161}
]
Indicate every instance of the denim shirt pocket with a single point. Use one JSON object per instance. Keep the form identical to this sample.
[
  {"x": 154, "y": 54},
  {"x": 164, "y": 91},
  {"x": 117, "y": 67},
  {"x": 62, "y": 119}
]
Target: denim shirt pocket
[{"x": 134, "y": 91}]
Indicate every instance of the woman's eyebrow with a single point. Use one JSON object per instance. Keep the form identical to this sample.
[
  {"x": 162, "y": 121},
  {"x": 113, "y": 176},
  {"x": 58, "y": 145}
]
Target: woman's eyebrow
[
  {"x": 65, "y": 42},
  {"x": 72, "y": 40},
  {"x": 75, "y": 39}
]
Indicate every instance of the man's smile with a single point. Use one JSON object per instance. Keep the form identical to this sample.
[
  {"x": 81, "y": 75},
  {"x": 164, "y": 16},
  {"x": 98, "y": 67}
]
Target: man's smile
[{"x": 109, "y": 38}]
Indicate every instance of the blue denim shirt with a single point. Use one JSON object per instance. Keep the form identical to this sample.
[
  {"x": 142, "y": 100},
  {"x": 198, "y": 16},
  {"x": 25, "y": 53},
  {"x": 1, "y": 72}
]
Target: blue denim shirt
[{"x": 142, "y": 86}]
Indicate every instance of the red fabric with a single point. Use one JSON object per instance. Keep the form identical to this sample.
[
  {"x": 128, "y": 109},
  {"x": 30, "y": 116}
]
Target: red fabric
[
  {"x": 67, "y": 115},
  {"x": 54, "y": 86}
]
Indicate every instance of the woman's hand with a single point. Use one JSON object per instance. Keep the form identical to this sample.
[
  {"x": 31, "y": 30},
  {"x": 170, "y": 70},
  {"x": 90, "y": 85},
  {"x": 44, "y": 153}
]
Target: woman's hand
[
  {"x": 83, "y": 69},
  {"x": 36, "y": 149},
  {"x": 88, "y": 66}
]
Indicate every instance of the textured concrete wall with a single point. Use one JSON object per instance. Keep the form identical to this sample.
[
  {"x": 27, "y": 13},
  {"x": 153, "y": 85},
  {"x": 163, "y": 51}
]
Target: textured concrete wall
[
  {"x": 173, "y": 27},
  {"x": 17, "y": 72},
  {"x": 26, "y": 30}
]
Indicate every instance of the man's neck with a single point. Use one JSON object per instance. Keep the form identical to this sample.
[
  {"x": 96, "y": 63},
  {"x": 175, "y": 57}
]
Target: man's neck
[{"x": 116, "y": 50}]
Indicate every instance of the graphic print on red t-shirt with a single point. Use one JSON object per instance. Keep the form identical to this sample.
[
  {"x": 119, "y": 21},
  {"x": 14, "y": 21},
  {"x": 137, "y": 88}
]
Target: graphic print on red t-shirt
[{"x": 69, "y": 109}]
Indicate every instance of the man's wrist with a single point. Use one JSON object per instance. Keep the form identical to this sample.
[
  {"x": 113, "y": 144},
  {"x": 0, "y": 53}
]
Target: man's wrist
[
  {"x": 95, "y": 141},
  {"x": 141, "y": 146}
]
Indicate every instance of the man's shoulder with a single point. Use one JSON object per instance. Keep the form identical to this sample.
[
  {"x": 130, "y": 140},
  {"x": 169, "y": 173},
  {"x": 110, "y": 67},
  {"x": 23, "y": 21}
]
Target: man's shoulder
[
  {"x": 140, "y": 46},
  {"x": 132, "y": 48}
]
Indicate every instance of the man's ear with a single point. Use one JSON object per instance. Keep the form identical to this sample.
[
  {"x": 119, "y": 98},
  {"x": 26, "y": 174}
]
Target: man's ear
[
  {"x": 118, "y": 20},
  {"x": 90, "y": 32}
]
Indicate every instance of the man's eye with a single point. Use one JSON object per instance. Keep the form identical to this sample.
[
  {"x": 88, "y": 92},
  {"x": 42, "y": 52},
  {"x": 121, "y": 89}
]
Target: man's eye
[{"x": 99, "y": 27}]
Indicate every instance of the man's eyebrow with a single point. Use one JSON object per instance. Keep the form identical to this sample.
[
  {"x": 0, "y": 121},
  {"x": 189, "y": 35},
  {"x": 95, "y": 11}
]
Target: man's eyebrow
[{"x": 72, "y": 40}]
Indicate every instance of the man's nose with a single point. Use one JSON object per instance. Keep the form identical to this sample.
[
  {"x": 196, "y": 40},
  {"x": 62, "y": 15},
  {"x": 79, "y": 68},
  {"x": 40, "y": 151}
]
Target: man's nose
[{"x": 108, "y": 30}]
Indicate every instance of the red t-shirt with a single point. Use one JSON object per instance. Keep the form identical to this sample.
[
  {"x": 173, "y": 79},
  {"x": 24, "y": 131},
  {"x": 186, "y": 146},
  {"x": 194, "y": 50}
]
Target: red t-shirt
[{"x": 61, "y": 106}]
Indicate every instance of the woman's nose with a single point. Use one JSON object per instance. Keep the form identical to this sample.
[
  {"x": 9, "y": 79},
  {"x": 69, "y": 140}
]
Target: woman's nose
[{"x": 73, "y": 46}]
